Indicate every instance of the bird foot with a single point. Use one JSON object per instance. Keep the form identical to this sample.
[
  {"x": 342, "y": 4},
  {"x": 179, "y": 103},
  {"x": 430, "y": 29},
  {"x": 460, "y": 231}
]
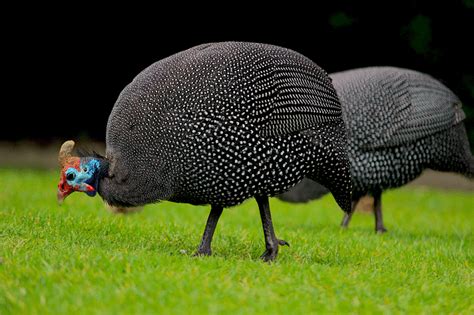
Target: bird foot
[
  {"x": 380, "y": 230},
  {"x": 271, "y": 253},
  {"x": 202, "y": 252}
]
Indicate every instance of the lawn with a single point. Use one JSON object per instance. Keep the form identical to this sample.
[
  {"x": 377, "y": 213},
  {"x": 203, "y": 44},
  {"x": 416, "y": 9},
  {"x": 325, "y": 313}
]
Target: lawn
[{"x": 78, "y": 257}]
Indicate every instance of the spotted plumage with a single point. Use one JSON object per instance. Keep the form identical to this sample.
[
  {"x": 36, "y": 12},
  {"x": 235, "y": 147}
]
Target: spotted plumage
[
  {"x": 399, "y": 122},
  {"x": 220, "y": 123}
]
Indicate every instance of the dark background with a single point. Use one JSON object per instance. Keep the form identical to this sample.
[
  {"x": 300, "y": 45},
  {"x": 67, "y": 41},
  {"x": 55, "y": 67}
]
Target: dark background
[{"x": 65, "y": 70}]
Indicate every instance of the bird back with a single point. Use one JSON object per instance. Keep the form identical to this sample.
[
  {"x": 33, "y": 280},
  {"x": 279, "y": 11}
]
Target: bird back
[{"x": 387, "y": 106}]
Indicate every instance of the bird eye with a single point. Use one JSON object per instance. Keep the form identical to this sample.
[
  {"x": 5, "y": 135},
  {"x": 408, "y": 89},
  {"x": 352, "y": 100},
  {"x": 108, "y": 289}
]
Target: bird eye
[
  {"x": 70, "y": 176},
  {"x": 85, "y": 169}
]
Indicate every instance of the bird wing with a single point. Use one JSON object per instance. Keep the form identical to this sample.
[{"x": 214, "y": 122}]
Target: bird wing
[
  {"x": 433, "y": 108},
  {"x": 290, "y": 93},
  {"x": 275, "y": 90},
  {"x": 387, "y": 106}
]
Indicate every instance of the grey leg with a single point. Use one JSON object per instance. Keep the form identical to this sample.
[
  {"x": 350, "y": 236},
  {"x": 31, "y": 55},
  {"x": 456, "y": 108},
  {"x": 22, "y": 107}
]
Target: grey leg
[
  {"x": 271, "y": 242},
  {"x": 379, "y": 227},
  {"x": 348, "y": 216},
  {"x": 205, "y": 246}
]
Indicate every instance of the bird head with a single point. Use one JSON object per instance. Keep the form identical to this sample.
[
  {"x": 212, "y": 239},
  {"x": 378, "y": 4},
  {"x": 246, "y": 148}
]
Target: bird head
[{"x": 77, "y": 173}]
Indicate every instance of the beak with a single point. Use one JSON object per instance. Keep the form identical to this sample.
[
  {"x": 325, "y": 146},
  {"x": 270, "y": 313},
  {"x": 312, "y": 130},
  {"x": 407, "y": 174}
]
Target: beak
[{"x": 62, "y": 195}]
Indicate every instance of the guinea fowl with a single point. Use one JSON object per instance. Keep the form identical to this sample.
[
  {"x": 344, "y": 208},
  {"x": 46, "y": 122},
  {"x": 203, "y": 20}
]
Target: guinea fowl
[
  {"x": 217, "y": 124},
  {"x": 399, "y": 122}
]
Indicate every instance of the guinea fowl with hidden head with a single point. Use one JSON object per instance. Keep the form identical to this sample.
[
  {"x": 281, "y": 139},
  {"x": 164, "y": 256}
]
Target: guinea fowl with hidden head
[{"x": 399, "y": 122}]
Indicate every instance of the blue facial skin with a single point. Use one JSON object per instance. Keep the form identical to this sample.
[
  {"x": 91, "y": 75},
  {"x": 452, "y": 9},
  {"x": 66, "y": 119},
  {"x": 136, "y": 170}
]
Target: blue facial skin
[{"x": 87, "y": 175}]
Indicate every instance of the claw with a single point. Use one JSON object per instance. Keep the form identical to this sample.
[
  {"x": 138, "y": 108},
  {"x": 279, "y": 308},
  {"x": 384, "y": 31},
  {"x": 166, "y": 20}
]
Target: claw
[
  {"x": 269, "y": 255},
  {"x": 380, "y": 230},
  {"x": 202, "y": 252}
]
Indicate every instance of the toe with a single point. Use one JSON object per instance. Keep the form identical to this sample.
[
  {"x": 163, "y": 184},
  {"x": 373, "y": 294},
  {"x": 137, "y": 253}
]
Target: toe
[
  {"x": 269, "y": 255},
  {"x": 202, "y": 253}
]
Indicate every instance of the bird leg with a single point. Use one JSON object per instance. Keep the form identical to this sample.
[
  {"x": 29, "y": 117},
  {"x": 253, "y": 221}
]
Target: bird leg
[
  {"x": 205, "y": 246},
  {"x": 379, "y": 227},
  {"x": 348, "y": 216},
  {"x": 271, "y": 242}
]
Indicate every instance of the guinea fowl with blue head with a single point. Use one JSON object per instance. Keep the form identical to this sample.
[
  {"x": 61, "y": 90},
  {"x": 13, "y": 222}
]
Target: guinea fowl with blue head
[{"x": 217, "y": 124}]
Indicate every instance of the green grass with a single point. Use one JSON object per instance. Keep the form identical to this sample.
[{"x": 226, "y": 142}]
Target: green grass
[{"x": 81, "y": 258}]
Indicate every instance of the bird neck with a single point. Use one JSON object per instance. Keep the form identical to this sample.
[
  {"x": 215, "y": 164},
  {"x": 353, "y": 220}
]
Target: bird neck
[
  {"x": 103, "y": 168},
  {"x": 101, "y": 171},
  {"x": 110, "y": 186}
]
